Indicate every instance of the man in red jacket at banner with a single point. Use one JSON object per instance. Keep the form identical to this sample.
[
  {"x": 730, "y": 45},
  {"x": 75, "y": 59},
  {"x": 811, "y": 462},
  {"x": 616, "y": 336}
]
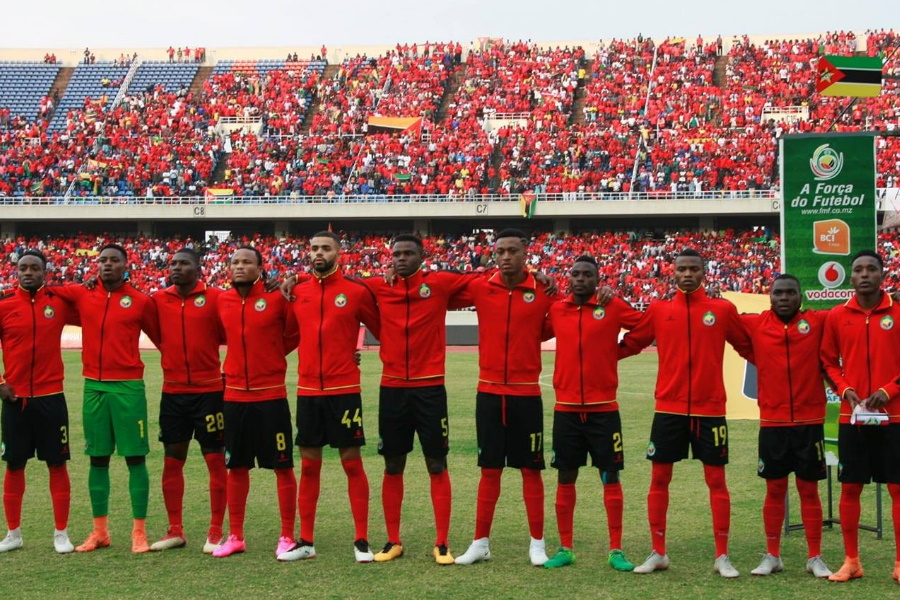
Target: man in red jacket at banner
[
  {"x": 329, "y": 309},
  {"x": 260, "y": 330},
  {"x": 34, "y": 415},
  {"x": 690, "y": 332},
  {"x": 113, "y": 314},
  {"x": 509, "y": 417},
  {"x": 861, "y": 355},
  {"x": 191, "y": 405},
  {"x": 791, "y": 395},
  {"x": 586, "y": 416}
]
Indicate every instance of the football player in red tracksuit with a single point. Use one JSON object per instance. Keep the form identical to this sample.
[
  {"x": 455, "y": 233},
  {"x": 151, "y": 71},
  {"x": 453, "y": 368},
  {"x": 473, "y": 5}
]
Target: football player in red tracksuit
[
  {"x": 260, "y": 330},
  {"x": 786, "y": 343},
  {"x": 861, "y": 355},
  {"x": 34, "y": 416},
  {"x": 191, "y": 404},
  {"x": 413, "y": 398},
  {"x": 509, "y": 418},
  {"x": 329, "y": 309},
  {"x": 113, "y": 315},
  {"x": 690, "y": 332},
  {"x": 586, "y": 416}
]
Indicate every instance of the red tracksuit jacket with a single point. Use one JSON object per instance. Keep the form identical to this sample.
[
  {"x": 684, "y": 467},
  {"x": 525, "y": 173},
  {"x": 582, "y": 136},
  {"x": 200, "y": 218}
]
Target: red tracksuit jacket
[
  {"x": 260, "y": 330},
  {"x": 790, "y": 376},
  {"x": 510, "y": 330},
  {"x": 111, "y": 325},
  {"x": 690, "y": 332},
  {"x": 585, "y": 376},
  {"x": 30, "y": 330},
  {"x": 861, "y": 350},
  {"x": 329, "y": 311},
  {"x": 413, "y": 325},
  {"x": 190, "y": 336}
]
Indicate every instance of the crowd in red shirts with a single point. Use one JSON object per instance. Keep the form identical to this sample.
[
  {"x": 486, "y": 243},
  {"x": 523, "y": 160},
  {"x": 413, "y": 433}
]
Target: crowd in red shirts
[
  {"x": 399, "y": 83},
  {"x": 657, "y": 114},
  {"x": 637, "y": 264}
]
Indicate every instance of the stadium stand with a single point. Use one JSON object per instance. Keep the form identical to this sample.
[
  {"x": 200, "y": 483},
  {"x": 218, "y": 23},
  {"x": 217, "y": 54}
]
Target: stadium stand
[
  {"x": 25, "y": 88},
  {"x": 90, "y": 90},
  {"x": 170, "y": 77},
  {"x": 635, "y": 115},
  {"x": 636, "y": 263}
]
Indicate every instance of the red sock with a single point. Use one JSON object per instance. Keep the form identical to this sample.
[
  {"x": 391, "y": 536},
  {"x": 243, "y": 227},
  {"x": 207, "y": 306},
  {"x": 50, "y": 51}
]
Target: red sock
[
  {"x": 565, "y": 513},
  {"x": 533, "y": 494},
  {"x": 773, "y": 513},
  {"x": 358, "y": 492},
  {"x": 488, "y": 493},
  {"x": 441, "y": 496},
  {"x": 286, "y": 482},
  {"x": 60, "y": 495},
  {"x": 308, "y": 496},
  {"x": 238, "y": 490},
  {"x": 13, "y": 492},
  {"x": 614, "y": 501},
  {"x": 658, "y": 504},
  {"x": 811, "y": 513},
  {"x": 218, "y": 476},
  {"x": 173, "y": 492},
  {"x": 720, "y": 504},
  {"x": 894, "y": 490},
  {"x": 848, "y": 509},
  {"x": 392, "y": 502}
]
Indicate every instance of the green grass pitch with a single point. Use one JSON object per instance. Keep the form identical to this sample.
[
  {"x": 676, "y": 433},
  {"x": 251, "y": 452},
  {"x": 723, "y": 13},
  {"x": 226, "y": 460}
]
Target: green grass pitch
[{"x": 37, "y": 572}]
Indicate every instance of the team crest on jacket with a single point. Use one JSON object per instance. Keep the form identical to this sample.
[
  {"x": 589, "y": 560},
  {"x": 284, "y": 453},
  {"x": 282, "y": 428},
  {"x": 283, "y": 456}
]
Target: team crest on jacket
[
  {"x": 528, "y": 297},
  {"x": 49, "y": 312},
  {"x": 599, "y": 313},
  {"x": 803, "y": 326},
  {"x": 709, "y": 319},
  {"x": 260, "y": 305},
  {"x": 340, "y": 301},
  {"x": 424, "y": 290},
  {"x": 887, "y": 322},
  {"x": 200, "y": 301},
  {"x": 125, "y": 302}
]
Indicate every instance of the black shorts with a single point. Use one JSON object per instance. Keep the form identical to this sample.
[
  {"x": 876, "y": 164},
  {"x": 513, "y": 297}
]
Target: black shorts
[
  {"x": 403, "y": 412},
  {"x": 259, "y": 431},
  {"x": 335, "y": 421},
  {"x": 869, "y": 453},
  {"x": 186, "y": 416},
  {"x": 672, "y": 435},
  {"x": 35, "y": 425},
  {"x": 510, "y": 431},
  {"x": 796, "y": 449},
  {"x": 575, "y": 435}
]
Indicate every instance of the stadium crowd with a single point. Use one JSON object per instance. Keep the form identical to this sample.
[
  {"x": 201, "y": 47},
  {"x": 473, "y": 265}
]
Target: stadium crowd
[
  {"x": 693, "y": 120},
  {"x": 636, "y": 263}
]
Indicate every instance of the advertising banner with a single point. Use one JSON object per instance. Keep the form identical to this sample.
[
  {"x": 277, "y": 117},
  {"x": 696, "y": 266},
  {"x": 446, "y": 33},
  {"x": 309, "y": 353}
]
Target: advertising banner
[{"x": 828, "y": 213}]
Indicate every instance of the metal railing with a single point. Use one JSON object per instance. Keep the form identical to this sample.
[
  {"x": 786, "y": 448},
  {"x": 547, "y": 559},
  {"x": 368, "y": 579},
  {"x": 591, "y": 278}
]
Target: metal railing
[
  {"x": 126, "y": 82},
  {"x": 713, "y": 196}
]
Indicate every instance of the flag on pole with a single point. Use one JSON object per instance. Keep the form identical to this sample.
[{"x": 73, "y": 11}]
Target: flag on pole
[
  {"x": 853, "y": 76},
  {"x": 528, "y": 202}
]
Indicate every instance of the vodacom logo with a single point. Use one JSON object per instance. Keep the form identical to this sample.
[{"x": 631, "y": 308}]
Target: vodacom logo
[{"x": 832, "y": 274}]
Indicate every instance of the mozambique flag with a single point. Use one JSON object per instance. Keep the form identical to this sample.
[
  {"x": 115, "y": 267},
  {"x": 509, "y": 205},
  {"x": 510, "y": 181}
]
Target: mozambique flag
[
  {"x": 402, "y": 176},
  {"x": 527, "y": 202},
  {"x": 854, "y": 76}
]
